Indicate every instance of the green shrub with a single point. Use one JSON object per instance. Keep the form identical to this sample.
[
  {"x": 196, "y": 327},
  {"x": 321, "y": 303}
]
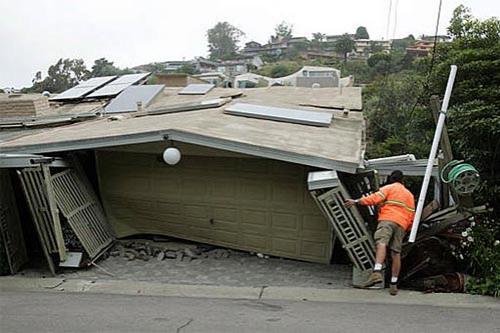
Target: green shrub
[{"x": 483, "y": 256}]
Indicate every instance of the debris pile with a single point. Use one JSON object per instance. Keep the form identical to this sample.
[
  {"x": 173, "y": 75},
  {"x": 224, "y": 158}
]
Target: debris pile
[
  {"x": 432, "y": 263},
  {"x": 181, "y": 252}
]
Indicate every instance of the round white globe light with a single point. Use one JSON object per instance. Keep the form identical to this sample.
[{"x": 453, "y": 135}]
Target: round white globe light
[{"x": 171, "y": 156}]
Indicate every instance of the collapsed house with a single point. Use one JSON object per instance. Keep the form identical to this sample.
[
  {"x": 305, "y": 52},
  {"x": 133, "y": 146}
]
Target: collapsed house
[
  {"x": 241, "y": 181},
  {"x": 263, "y": 170}
]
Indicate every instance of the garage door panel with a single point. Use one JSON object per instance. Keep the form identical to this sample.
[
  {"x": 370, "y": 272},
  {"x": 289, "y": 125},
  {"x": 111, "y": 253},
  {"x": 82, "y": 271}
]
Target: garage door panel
[
  {"x": 314, "y": 223},
  {"x": 284, "y": 221},
  {"x": 133, "y": 184},
  {"x": 224, "y": 225},
  {"x": 203, "y": 233},
  {"x": 283, "y": 245},
  {"x": 254, "y": 222},
  {"x": 226, "y": 214},
  {"x": 313, "y": 249},
  {"x": 194, "y": 187},
  {"x": 284, "y": 233},
  {"x": 255, "y": 241},
  {"x": 174, "y": 208},
  {"x": 315, "y": 236},
  {"x": 227, "y": 236},
  {"x": 197, "y": 211},
  {"x": 249, "y": 204},
  {"x": 286, "y": 192},
  {"x": 224, "y": 188},
  {"x": 253, "y": 190},
  {"x": 169, "y": 186}
]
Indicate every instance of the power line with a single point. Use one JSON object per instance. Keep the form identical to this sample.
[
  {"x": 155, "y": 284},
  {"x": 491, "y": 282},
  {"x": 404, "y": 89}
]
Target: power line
[
  {"x": 431, "y": 66},
  {"x": 435, "y": 38},
  {"x": 426, "y": 83},
  {"x": 395, "y": 19},
  {"x": 388, "y": 20}
]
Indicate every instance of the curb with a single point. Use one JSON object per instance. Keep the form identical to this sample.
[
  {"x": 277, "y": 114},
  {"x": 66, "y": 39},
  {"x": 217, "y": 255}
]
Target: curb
[{"x": 143, "y": 288}]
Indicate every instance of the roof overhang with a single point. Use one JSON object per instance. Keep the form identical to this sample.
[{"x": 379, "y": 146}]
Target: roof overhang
[{"x": 190, "y": 138}]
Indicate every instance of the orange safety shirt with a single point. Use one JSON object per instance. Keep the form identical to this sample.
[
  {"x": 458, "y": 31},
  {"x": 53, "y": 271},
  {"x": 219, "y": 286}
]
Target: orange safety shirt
[{"x": 397, "y": 204}]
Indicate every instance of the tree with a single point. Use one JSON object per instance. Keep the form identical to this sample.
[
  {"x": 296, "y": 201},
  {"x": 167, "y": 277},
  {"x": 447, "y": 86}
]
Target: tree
[
  {"x": 223, "y": 41},
  {"x": 154, "y": 67},
  {"x": 318, "y": 37},
  {"x": 317, "y": 40},
  {"x": 279, "y": 69},
  {"x": 376, "y": 47},
  {"x": 344, "y": 45},
  {"x": 402, "y": 43},
  {"x": 63, "y": 75},
  {"x": 380, "y": 62},
  {"x": 361, "y": 33},
  {"x": 474, "y": 127},
  {"x": 283, "y": 31},
  {"x": 400, "y": 121},
  {"x": 104, "y": 67}
]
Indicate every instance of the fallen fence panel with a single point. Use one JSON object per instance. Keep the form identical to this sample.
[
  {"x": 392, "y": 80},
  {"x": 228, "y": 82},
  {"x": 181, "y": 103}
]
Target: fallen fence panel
[
  {"x": 348, "y": 226},
  {"x": 79, "y": 204},
  {"x": 35, "y": 192}
]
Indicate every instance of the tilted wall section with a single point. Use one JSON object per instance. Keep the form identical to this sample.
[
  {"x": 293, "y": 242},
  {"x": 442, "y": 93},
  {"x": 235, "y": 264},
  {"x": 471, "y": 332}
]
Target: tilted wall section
[{"x": 243, "y": 203}]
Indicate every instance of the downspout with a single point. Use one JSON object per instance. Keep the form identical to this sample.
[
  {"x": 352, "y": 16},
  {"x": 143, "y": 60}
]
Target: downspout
[{"x": 432, "y": 154}]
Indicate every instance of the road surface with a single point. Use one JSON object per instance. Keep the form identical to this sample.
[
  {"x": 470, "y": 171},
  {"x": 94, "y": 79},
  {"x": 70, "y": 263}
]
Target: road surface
[{"x": 77, "y": 312}]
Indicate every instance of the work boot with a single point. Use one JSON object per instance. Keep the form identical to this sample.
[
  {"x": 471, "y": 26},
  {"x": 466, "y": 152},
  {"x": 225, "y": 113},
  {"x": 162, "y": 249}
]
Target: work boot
[
  {"x": 374, "y": 278},
  {"x": 393, "y": 289}
]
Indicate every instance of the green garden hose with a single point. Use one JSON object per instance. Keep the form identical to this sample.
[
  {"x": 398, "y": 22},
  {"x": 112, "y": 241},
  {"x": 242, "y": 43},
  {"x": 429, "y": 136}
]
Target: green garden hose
[{"x": 463, "y": 177}]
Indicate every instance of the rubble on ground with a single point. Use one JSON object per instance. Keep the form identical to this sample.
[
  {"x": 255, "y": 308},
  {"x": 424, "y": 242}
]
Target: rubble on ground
[{"x": 141, "y": 249}]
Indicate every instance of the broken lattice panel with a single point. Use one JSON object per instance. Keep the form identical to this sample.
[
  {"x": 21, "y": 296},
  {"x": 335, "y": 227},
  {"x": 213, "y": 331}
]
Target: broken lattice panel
[
  {"x": 35, "y": 190},
  {"x": 79, "y": 204},
  {"x": 10, "y": 228},
  {"x": 348, "y": 226},
  {"x": 10, "y": 249}
]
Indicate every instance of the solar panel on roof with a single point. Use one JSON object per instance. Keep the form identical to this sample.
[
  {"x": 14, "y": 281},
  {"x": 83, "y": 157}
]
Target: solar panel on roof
[
  {"x": 127, "y": 100},
  {"x": 83, "y": 88},
  {"x": 281, "y": 114},
  {"x": 197, "y": 89},
  {"x": 118, "y": 85}
]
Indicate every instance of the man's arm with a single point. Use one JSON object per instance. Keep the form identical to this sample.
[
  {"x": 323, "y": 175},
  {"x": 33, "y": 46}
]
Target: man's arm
[{"x": 371, "y": 200}]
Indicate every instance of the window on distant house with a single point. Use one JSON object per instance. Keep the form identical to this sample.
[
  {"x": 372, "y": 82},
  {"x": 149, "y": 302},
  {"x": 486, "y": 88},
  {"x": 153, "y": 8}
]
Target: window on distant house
[{"x": 320, "y": 74}]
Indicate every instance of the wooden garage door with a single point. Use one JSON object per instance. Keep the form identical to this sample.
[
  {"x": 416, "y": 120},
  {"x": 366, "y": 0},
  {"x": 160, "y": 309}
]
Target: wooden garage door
[{"x": 243, "y": 203}]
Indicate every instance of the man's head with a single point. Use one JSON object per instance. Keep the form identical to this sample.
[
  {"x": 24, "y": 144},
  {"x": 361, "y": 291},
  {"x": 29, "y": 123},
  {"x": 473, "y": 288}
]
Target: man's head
[{"x": 396, "y": 176}]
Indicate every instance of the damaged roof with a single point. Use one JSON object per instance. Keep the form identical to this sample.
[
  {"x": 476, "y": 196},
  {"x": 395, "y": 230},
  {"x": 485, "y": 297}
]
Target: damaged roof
[{"x": 339, "y": 146}]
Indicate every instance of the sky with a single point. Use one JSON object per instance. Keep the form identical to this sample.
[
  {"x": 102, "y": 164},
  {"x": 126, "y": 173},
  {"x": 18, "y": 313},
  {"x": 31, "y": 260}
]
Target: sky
[{"x": 35, "y": 34}]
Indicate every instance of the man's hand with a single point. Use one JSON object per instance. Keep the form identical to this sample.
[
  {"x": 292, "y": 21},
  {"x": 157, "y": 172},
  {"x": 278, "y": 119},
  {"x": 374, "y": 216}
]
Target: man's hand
[{"x": 350, "y": 203}]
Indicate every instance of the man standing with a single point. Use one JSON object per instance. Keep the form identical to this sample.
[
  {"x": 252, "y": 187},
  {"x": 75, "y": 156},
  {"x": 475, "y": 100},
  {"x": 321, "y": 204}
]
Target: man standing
[{"x": 395, "y": 217}]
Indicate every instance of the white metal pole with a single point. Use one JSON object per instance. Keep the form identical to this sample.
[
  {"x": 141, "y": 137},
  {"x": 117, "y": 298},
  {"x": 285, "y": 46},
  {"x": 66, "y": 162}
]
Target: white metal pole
[{"x": 432, "y": 154}]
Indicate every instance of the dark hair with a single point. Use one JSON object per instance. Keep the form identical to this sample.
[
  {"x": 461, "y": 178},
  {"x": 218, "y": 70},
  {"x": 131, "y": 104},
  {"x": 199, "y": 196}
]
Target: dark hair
[{"x": 396, "y": 176}]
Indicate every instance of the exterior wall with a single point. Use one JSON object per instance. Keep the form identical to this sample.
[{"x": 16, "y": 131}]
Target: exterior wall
[
  {"x": 176, "y": 80},
  {"x": 243, "y": 203},
  {"x": 172, "y": 80},
  {"x": 323, "y": 81}
]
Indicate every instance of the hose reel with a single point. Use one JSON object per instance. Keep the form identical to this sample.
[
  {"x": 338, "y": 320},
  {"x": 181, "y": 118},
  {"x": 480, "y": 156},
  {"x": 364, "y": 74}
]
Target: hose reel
[{"x": 462, "y": 177}]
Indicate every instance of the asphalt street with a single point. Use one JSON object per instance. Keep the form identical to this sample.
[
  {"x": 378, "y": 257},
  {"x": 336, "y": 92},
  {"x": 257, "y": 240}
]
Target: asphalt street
[{"x": 77, "y": 312}]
